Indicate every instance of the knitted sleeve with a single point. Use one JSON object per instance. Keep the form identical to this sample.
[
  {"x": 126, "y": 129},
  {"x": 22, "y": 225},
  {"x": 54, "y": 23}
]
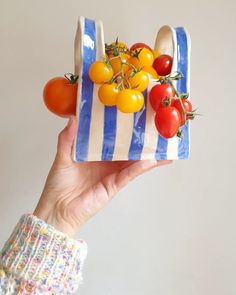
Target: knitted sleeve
[{"x": 38, "y": 259}]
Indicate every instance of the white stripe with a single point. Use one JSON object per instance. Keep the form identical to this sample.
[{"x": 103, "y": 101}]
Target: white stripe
[
  {"x": 151, "y": 134},
  {"x": 123, "y": 135},
  {"x": 97, "y": 112}
]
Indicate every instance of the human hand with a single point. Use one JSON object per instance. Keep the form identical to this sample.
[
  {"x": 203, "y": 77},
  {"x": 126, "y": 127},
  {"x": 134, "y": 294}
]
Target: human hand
[{"x": 74, "y": 192}]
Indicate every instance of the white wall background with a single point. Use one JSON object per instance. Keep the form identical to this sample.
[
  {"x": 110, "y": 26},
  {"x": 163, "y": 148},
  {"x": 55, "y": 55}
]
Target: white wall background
[{"x": 172, "y": 231}]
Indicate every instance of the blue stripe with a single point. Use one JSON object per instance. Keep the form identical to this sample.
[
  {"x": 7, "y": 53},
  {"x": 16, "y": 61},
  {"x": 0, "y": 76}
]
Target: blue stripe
[
  {"x": 137, "y": 140},
  {"x": 161, "y": 150},
  {"x": 109, "y": 135},
  {"x": 182, "y": 41},
  {"x": 89, "y": 56}
]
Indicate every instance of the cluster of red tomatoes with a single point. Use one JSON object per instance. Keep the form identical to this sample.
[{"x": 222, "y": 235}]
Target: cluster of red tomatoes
[
  {"x": 123, "y": 75},
  {"x": 172, "y": 108}
]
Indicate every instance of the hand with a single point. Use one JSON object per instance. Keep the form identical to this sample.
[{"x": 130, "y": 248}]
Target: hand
[{"x": 74, "y": 192}]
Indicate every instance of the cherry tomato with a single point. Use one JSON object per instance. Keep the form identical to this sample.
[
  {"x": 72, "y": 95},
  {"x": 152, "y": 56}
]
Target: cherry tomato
[
  {"x": 100, "y": 72},
  {"x": 139, "y": 81},
  {"x": 135, "y": 62},
  {"x": 156, "y": 53},
  {"x": 140, "y": 45},
  {"x": 121, "y": 46},
  {"x": 163, "y": 64},
  {"x": 144, "y": 58},
  {"x": 151, "y": 71},
  {"x": 129, "y": 101},
  {"x": 107, "y": 94},
  {"x": 140, "y": 99},
  {"x": 160, "y": 92},
  {"x": 187, "y": 106},
  {"x": 116, "y": 63},
  {"x": 167, "y": 121},
  {"x": 60, "y": 96}
]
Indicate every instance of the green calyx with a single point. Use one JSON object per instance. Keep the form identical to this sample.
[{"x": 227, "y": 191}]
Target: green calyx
[{"x": 72, "y": 78}]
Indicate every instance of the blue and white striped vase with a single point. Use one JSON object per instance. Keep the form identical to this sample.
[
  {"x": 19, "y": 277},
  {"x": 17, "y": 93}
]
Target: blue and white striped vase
[{"x": 106, "y": 134}]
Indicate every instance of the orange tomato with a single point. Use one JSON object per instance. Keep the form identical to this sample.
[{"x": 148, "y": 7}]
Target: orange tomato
[
  {"x": 140, "y": 100},
  {"x": 152, "y": 72},
  {"x": 129, "y": 101},
  {"x": 120, "y": 46},
  {"x": 60, "y": 96},
  {"x": 139, "y": 80},
  {"x": 100, "y": 72},
  {"x": 156, "y": 53},
  {"x": 107, "y": 94},
  {"x": 116, "y": 63},
  {"x": 143, "y": 58},
  {"x": 135, "y": 62}
]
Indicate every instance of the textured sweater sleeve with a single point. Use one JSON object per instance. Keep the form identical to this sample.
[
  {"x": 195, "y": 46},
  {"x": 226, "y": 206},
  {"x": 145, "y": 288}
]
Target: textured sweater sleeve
[{"x": 38, "y": 259}]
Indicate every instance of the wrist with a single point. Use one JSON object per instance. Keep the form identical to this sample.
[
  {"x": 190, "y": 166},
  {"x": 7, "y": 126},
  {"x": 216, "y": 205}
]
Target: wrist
[{"x": 55, "y": 220}]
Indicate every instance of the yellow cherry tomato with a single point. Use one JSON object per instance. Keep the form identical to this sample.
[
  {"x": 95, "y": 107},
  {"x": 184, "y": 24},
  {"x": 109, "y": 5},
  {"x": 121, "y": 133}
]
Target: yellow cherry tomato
[
  {"x": 143, "y": 58},
  {"x": 152, "y": 72},
  {"x": 100, "y": 72},
  {"x": 156, "y": 53},
  {"x": 121, "y": 46},
  {"x": 129, "y": 101},
  {"x": 135, "y": 62},
  {"x": 116, "y": 63},
  {"x": 107, "y": 94},
  {"x": 140, "y": 99},
  {"x": 139, "y": 81}
]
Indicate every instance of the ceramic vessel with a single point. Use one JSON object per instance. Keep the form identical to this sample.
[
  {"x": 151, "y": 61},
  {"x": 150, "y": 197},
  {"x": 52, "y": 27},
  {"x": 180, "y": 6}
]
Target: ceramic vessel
[{"x": 103, "y": 132}]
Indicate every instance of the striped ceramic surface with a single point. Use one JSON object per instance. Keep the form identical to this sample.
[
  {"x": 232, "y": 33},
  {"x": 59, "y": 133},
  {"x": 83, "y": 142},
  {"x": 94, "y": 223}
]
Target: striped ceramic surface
[{"x": 107, "y": 134}]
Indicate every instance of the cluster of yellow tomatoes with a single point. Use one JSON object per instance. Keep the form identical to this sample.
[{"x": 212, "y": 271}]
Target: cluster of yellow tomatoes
[{"x": 124, "y": 75}]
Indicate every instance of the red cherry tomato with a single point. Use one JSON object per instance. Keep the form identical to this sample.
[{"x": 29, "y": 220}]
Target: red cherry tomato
[
  {"x": 139, "y": 45},
  {"x": 167, "y": 121},
  {"x": 60, "y": 96},
  {"x": 187, "y": 106},
  {"x": 163, "y": 64},
  {"x": 160, "y": 92}
]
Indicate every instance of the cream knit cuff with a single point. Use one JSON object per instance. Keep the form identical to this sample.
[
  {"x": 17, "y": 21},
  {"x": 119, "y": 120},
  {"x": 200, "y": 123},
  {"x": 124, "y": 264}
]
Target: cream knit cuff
[{"x": 37, "y": 256}]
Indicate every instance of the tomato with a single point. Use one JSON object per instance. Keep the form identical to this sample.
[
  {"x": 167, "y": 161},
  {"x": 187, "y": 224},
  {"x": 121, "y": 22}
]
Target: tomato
[
  {"x": 134, "y": 62},
  {"x": 121, "y": 46},
  {"x": 116, "y": 63},
  {"x": 152, "y": 72},
  {"x": 107, "y": 94},
  {"x": 129, "y": 101},
  {"x": 100, "y": 72},
  {"x": 156, "y": 53},
  {"x": 140, "y": 99},
  {"x": 187, "y": 106},
  {"x": 60, "y": 96},
  {"x": 163, "y": 64},
  {"x": 160, "y": 92},
  {"x": 139, "y": 81},
  {"x": 143, "y": 58},
  {"x": 140, "y": 45},
  {"x": 167, "y": 121}
]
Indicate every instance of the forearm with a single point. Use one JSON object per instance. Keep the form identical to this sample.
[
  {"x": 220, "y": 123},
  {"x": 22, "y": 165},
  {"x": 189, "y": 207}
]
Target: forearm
[{"x": 38, "y": 259}]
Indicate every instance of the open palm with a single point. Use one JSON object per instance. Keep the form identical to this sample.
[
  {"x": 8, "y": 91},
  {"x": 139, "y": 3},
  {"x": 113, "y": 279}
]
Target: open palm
[{"x": 74, "y": 192}]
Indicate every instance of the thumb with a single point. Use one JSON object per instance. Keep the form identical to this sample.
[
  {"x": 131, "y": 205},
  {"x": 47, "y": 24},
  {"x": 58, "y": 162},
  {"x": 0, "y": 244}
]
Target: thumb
[{"x": 65, "y": 141}]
